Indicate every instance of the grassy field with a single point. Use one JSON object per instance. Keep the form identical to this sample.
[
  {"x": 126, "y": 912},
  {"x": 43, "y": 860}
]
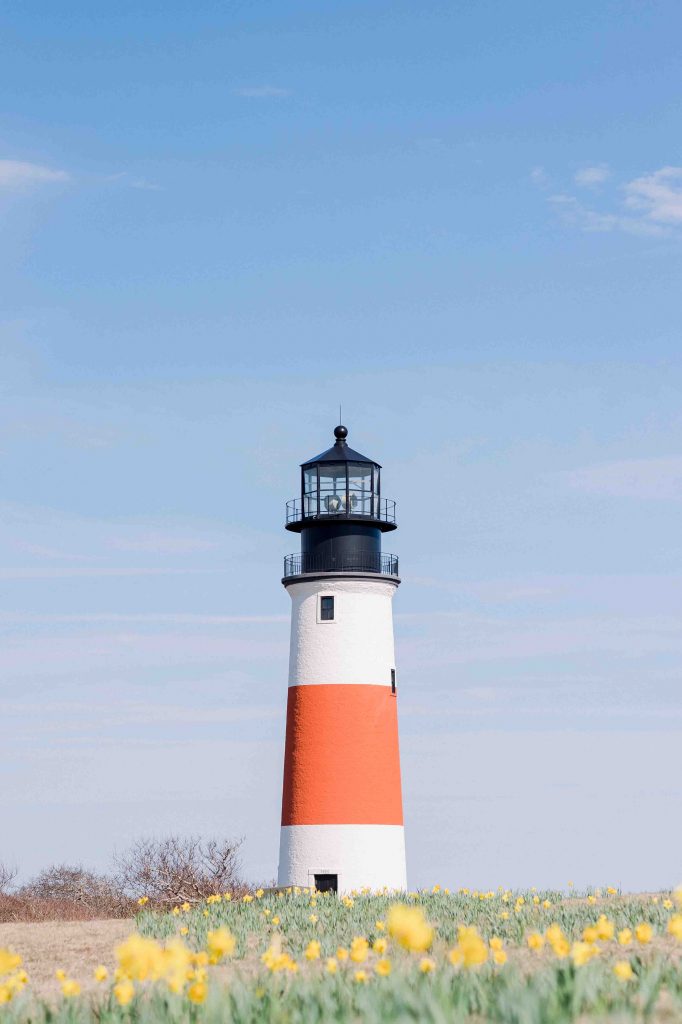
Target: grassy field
[{"x": 535, "y": 957}]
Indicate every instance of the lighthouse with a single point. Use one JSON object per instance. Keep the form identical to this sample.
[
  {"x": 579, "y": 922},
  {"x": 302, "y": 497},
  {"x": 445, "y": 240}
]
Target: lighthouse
[{"x": 342, "y": 817}]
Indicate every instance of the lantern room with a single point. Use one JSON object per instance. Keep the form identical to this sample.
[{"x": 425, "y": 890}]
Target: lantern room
[
  {"x": 340, "y": 484},
  {"x": 340, "y": 515}
]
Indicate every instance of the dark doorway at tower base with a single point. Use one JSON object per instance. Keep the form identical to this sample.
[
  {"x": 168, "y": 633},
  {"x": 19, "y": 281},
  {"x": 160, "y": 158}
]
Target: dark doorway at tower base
[{"x": 327, "y": 883}]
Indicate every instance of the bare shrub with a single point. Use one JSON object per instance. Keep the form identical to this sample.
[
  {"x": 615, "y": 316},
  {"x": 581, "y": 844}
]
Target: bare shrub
[
  {"x": 72, "y": 883},
  {"x": 18, "y": 908},
  {"x": 175, "y": 869},
  {"x": 65, "y": 892},
  {"x": 7, "y": 876}
]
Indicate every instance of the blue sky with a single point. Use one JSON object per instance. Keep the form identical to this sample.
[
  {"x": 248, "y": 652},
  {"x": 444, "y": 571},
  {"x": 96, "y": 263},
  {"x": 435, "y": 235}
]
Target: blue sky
[{"x": 462, "y": 221}]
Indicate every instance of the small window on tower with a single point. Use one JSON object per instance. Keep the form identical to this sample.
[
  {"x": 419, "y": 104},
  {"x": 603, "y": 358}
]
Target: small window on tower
[
  {"x": 326, "y": 609},
  {"x": 392, "y": 680}
]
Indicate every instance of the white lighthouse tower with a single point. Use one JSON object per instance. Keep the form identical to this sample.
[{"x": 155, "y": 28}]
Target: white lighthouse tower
[{"x": 342, "y": 818}]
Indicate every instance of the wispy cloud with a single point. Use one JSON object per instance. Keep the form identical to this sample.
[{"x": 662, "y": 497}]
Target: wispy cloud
[
  {"x": 658, "y": 479},
  {"x": 538, "y": 176},
  {"x": 73, "y": 572},
  {"x": 658, "y": 196},
  {"x": 575, "y": 213},
  {"x": 143, "y": 619},
  {"x": 594, "y": 175},
  {"x": 124, "y": 178},
  {"x": 650, "y": 205},
  {"x": 19, "y": 174},
  {"x": 160, "y": 542},
  {"x": 260, "y": 92}
]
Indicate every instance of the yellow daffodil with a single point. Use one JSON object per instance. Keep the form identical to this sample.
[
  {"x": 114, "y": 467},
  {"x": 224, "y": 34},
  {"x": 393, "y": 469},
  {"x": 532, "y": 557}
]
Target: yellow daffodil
[
  {"x": 558, "y": 941},
  {"x": 644, "y": 933},
  {"x": 383, "y": 968},
  {"x": 100, "y": 973},
  {"x": 582, "y": 952},
  {"x": 332, "y": 965},
  {"x": 427, "y": 965},
  {"x": 9, "y": 961},
  {"x": 471, "y": 950},
  {"x": 175, "y": 983},
  {"x": 313, "y": 950},
  {"x": 624, "y": 937},
  {"x": 535, "y": 941},
  {"x": 220, "y": 943},
  {"x": 140, "y": 958},
  {"x": 623, "y": 970},
  {"x": 196, "y": 993},
  {"x": 410, "y": 928},
  {"x": 358, "y": 949},
  {"x": 124, "y": 991}
]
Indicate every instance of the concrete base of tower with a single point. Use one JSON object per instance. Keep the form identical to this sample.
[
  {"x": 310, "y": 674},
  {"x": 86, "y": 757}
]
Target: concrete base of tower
[{"x": 361, "y": 856}]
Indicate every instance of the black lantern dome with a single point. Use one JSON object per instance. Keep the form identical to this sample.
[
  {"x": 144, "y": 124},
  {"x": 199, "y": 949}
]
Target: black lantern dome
[{"x": 341, "y": 513}]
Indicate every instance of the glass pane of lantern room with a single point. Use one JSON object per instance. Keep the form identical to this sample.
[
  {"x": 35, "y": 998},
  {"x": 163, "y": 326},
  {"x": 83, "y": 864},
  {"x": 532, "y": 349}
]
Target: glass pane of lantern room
[
  {"x": 360, "y": 488},
  {"x": 332, "y": 489},
  {"x": 310, "y": 492}
]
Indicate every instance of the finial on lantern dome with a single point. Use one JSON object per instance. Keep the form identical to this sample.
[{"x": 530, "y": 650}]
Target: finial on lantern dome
[{"x": 341, "y": 432}]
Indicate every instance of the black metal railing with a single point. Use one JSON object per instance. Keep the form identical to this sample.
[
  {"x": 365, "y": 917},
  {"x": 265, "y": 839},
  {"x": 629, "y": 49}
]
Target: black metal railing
[
  {"x": 300, "y": 563},
  {"x": 378, "y": 509}
]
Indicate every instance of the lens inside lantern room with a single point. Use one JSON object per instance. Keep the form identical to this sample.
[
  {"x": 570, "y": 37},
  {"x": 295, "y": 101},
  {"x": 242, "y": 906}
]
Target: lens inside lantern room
[{"x": 341, "y": 489}]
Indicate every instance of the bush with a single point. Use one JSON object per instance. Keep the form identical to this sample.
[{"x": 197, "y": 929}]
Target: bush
[
  {"x": 170, "y": 870},
  {"x": 7, "y": 876},
  {"x": 175, "y": 869},
  {"x": 63, "y": 892}
]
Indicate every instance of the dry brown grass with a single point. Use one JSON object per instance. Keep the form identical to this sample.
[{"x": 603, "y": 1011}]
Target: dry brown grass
[
  {"x": 32, "y": 910},
  {"x": 76, "y": 946}
]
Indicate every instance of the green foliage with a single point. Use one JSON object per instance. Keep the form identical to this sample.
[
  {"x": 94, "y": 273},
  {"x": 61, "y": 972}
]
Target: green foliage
[{"x": 529, "y": 988}]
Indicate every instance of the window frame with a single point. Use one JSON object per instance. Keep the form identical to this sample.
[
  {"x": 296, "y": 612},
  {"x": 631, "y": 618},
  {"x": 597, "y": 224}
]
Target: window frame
[{"x": 320, "y": 617}]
